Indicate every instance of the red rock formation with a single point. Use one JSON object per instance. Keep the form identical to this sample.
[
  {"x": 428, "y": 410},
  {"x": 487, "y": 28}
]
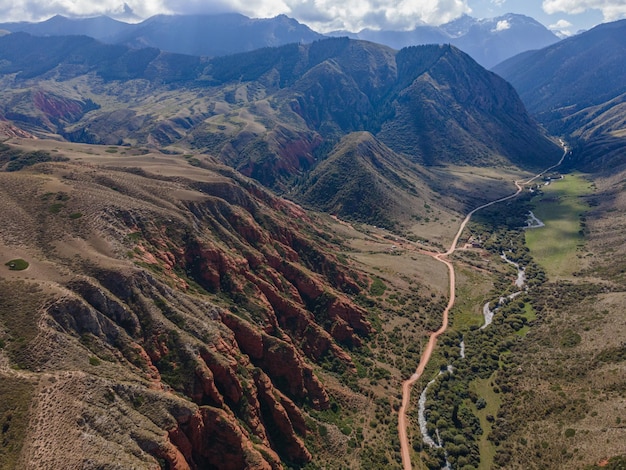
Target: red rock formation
[
  {"x": 208, "y": 391},
  {"x": 172, "y": 454},
  {"x": 284, "y": 434},
  {"x": 218, "y": 441},
  {"x": 224, "y": 373},
  {"x": 179, "y": 439},
  {"x": 9, "y": 130},
  {"x": 152, "y": 372},
  {"x": 56, "y": 107},
  {"x": 279, "y": 359},
  {"x": 252, "y": 372}
]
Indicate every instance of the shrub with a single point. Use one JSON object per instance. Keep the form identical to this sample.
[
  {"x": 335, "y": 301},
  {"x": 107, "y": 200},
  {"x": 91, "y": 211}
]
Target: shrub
[
  {"x": 17, "y": 264},
  {"x": 378, "y": 287}
]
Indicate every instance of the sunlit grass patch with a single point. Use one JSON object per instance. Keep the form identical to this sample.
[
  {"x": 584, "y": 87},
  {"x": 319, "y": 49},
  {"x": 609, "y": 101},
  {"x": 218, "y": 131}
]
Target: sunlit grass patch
[{"x": 560, "y": 207}]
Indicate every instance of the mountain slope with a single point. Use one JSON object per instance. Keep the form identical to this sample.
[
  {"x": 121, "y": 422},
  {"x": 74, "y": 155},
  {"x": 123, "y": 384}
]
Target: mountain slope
[
  {"x": 458, "y": 112},
  {"x": 580, "y": 71},
  {"x": 364, "y": 181},
  {"x": 318, "y": 91},
  {"x": 173, "y": 316},
  {"x": 275, "y": 113},
  {"x": 576, "y": 87}
]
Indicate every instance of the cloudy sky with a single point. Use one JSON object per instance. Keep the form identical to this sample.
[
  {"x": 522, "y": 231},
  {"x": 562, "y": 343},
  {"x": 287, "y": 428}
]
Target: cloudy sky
[{"x": 326, "y": 15}]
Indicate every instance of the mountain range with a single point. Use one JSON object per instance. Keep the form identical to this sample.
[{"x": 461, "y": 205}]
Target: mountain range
[
  {"x": 205, "y": 35},
  {"x": 488, "y": 41},
  {"x": 234, "y": 261},
  {"x": 274, "y": 113}
]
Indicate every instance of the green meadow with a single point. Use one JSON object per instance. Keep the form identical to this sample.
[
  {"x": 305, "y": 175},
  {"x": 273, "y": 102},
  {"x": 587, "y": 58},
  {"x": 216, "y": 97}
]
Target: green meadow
[{"x": 562, "y": 207}]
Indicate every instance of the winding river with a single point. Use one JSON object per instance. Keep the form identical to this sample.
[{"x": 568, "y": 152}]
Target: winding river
[{"x": 519, "y": 282}]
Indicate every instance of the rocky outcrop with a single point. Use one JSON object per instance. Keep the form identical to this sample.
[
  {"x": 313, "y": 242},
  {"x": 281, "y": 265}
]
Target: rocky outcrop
[
  {"x": 174, "y": 454},
  {"x": 244, "y": 368},
  {"x": 217, "y": 441},
  {"x": 279, "y": 359},
  {"x": 280, "y": 421}
]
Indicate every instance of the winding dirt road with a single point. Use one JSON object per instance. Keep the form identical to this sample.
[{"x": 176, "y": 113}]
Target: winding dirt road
[{"x": 432, "y": 340}]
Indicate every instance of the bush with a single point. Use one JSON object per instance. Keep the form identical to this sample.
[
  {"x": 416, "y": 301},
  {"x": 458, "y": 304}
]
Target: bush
[
  {"x": 378, "y": 287},
  {"x": 17, "y": 264}
]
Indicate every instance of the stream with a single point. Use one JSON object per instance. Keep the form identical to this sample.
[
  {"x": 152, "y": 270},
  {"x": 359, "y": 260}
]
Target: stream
[
  {"x": 533, "y": 221},
  {"x": 421, "y": 414},
  {"x": 519, "y": 282},
  {"x": 488, "y": 316}
]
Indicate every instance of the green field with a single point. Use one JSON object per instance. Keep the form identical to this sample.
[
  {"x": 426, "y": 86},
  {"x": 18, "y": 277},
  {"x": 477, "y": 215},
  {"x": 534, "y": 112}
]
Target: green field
[
  {"x": 484, "y": 389},
  {"x": 562, "y": 208}
]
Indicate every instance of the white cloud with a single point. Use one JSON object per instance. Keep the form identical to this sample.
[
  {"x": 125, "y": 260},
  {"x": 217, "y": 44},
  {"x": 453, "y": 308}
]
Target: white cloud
[
  {"x": 323, "y": 15},
  {"x": 37, "y": 10},
  {"x": 502, "y": 25},
  {"x": 354, "y": 15},
  {"x": 561, "y": 28},
  {"x": 611, "y": 9},
  {"x": 561, "y": 24},
  {"x": 498, "y": 3}
]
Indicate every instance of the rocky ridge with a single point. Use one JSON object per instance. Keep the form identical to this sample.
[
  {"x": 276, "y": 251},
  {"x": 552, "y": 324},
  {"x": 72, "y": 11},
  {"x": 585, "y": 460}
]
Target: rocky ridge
[{"x": 201, "y": 320}]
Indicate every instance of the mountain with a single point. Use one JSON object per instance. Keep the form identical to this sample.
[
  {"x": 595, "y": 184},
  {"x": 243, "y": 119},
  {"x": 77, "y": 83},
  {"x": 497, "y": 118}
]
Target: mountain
[
  {"x": 213, "y": 35},
  {"x": 383, "y": 186},
  {"x": 178, "y": 315},
  {"x": 271, "y": 113},
  {"x": 489, "y": 41},
  {"x": 577, "y": 88},
  {"x": 201, "y": 35},
  {"x": 101, "y": 28}
]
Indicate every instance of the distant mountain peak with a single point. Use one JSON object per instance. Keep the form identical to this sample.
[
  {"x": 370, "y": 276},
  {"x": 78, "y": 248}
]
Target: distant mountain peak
[{"x": 488, "y": 40}]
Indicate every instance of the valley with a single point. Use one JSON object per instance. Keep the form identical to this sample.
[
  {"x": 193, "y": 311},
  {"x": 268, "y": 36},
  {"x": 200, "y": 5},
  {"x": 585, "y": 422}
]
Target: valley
[
  {"x": 428, "y": 350},
  {"x": 261, "y": 260}
]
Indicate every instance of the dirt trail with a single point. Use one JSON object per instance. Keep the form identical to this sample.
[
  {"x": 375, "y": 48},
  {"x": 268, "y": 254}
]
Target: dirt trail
[{"x": 432, "y": 340}]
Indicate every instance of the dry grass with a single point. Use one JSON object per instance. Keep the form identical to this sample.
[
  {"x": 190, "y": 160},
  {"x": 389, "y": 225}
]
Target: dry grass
[{"x": 16, "y": 396}]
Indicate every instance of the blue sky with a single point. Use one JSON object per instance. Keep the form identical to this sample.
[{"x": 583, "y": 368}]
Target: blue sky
[{"x": 326, "y": 15}]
